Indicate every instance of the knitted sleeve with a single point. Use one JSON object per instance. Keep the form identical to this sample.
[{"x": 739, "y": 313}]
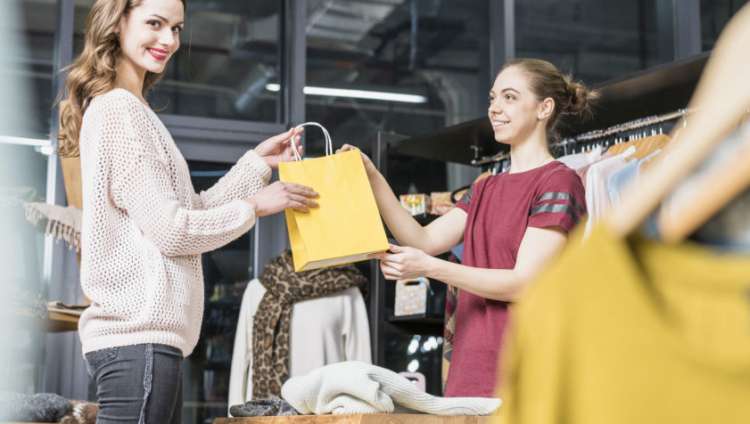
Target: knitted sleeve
[
  {"x": 142, "y": 184},
  {"x": 246, "y": 178}
]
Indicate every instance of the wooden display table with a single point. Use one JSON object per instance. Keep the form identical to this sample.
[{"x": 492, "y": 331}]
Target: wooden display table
[
  {"x": 357, "y": 419},
  {"x": 56, "y": 321}
]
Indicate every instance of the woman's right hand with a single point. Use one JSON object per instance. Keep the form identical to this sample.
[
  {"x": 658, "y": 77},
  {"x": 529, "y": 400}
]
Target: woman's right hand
[
  {"x": 369, "y": 166},
  {"x": 278, "y": 196}
]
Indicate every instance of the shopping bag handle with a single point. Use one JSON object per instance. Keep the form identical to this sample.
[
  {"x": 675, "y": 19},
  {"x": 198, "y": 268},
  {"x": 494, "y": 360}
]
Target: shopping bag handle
[{"x": 329, "y": 142}]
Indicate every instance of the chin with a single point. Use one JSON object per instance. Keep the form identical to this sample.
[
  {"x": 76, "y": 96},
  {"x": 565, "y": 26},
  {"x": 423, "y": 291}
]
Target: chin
[
  {"x": 503, "y": 139},
  {"x": 156, "y": 69},
  {"x": 153, "y": 66}
]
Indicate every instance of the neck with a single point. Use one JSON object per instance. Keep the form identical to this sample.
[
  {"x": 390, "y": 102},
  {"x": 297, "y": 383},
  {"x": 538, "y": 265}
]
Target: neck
[
  {"x": 531, "y": 153},
  {"x": 130, "y": 77}
]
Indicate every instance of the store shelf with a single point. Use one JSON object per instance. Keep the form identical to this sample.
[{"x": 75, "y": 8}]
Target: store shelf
[
  {"x": 418, "y": 324},
  {"x": 56, "y": 322},
  {"x": 420, "y": 318}
]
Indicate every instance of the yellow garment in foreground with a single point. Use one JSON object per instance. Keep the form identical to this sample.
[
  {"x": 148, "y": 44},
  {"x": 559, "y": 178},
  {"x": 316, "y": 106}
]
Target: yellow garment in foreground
[
  {"x": 346, "y": 227},
  {"x": 630, "y": 331}
]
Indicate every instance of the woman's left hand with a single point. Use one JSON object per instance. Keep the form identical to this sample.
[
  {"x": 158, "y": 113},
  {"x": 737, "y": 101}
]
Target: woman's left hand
[
  {"x": 404, "y": 263},
  {"x": 279, "y": 147}
]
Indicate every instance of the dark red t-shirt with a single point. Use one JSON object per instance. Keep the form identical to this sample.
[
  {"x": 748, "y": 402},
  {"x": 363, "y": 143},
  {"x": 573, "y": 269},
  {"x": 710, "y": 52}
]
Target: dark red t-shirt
[{"x": 499, "y": 209}]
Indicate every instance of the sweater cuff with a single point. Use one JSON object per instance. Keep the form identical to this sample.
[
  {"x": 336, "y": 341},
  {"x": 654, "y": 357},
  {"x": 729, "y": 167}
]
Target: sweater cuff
[{"x": 257, "y": 164}]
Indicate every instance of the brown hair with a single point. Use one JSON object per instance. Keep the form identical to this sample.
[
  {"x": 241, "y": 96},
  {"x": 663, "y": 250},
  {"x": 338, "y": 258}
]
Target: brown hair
[
  {"x": 572, "y": 98},
  {"x": 93, "y": 72}
]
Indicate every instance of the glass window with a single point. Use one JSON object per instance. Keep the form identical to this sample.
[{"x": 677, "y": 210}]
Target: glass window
[
  {"x": 393, "y": 66},
  {"x": 32, "y": 64},
  {"x": 26, "y": 41},
  {"x": 229, "y": 53},
  {"x": 594, "y": 40},
  {"x": 714, "y": 16},
  {"x": 226, "y": 273}
]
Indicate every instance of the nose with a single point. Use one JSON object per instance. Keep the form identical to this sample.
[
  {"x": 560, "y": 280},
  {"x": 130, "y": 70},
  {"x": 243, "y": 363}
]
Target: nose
[
  {"x": 494, "y": 107},
  {"x": 168, "y": 38}
]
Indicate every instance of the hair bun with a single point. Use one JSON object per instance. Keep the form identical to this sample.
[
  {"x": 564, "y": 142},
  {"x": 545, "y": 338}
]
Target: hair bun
[{"x": 581, "y": 99}]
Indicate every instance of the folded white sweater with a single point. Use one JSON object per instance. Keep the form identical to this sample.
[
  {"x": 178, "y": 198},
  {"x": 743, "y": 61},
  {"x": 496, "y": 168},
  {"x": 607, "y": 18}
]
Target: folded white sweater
[{"x": 359, "y": 388}]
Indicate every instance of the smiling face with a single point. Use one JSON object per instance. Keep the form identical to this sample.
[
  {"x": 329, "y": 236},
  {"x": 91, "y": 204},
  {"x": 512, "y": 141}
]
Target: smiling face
[
  {"x": 515, "y": 111},
  {"x": 150, "y": 34}
]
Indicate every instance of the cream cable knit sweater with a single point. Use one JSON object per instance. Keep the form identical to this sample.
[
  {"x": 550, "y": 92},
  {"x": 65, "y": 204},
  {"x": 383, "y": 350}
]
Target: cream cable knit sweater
[{"x": 144, "y": 227}]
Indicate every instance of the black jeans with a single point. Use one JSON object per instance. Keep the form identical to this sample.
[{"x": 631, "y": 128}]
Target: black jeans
[{"x": 139, "y": 384}]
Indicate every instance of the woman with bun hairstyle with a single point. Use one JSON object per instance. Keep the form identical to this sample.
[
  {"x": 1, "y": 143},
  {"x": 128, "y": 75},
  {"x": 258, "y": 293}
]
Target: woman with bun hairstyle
[
  {"x": 511, "y": 224},
  {"x": 144, "y": 227}
]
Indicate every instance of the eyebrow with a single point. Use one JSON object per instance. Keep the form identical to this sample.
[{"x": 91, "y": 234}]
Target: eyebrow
[
  {"x": 165, "y": 19},
  {"x": 510, "y": 89}
]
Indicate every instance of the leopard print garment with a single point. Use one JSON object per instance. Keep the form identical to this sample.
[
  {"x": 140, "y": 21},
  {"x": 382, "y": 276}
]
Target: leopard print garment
[{"x": 270, "y": 337}]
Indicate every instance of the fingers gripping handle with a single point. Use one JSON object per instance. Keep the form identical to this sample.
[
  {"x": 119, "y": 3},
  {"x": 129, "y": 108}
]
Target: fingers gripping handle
[{"x": 329, "y": 142}]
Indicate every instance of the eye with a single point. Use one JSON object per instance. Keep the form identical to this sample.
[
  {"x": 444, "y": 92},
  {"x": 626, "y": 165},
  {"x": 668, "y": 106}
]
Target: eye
[
  {"x": 491, "y": 99},
  {"x": 509, "y": 97},
  {"x": 177, "y": 29},
  {"x": 154, "y": 24}
]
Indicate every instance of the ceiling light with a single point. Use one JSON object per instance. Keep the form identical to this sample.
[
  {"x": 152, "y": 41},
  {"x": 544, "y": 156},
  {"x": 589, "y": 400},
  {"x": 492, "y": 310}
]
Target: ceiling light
[{"x": 356, "y": 94}]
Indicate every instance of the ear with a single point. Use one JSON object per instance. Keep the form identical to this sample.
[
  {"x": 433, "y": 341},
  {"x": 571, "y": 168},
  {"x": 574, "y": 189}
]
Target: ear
[
  {"x": 121, "y": 25},
  {"x": 546, "y": 108}
]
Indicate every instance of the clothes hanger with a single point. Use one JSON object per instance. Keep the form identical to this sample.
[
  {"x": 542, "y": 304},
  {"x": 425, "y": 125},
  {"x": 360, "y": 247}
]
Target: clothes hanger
[
  {"x": 648, "y": 145},
  {"x": 718, "y": 104},
  {"x": 720, "y": 185}
]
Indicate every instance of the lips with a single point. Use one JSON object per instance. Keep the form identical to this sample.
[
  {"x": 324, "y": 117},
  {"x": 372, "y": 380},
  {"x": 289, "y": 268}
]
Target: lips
[
  {"x": 158, "y": 54},
  {"x": 497, "y": 124}
]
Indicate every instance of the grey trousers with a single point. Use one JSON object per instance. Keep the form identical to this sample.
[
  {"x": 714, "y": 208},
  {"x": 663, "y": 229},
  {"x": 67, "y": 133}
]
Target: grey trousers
[{"x": 139, "y": 384}]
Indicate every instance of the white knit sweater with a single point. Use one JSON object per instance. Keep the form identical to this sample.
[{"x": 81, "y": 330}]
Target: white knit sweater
[{"x": 144, "y": 227}]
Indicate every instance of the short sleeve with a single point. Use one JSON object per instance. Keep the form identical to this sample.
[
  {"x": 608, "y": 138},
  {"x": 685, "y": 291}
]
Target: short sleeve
[
  {"x": 472, "y": 194},
  {"x": 560, "y": 202},
  {"x": 464, "y": 203}
]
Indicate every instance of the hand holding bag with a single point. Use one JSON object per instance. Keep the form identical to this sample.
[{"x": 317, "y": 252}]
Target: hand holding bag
[{"x": 346, "y": 226}]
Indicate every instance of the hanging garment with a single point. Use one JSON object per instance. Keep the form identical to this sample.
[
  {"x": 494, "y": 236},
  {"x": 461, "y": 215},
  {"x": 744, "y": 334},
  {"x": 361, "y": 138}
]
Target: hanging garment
[
  {"x": 578, "y": 161},
  {"x": 318, "y": 331},
  {"x": 597, "y": 195},
  {"x": 618, "y": 181},
  {"x": 60, "y": 222},
  {"x": 632, "y": 331},
  {"x": 360, "y": 388}
]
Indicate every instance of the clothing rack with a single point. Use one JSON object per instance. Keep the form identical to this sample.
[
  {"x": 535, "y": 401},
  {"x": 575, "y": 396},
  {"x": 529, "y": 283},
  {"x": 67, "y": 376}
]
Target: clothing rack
[
  {"x": 606, "y": 137},
  {"x": 636, "y": 124}
]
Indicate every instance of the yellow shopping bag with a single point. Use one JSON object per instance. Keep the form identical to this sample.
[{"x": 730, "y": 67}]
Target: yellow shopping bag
[{"x": 346, "y": 227}]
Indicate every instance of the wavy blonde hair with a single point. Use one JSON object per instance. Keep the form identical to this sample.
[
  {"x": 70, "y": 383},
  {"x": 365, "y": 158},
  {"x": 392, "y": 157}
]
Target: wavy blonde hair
[{"x": 93, "y": 72}]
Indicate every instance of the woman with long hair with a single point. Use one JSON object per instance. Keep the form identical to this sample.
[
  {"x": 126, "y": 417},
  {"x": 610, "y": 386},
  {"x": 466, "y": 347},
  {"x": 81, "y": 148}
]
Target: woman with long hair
[
  {"x": 144, "y": 227},
  {"x": 511, "y": 224}
]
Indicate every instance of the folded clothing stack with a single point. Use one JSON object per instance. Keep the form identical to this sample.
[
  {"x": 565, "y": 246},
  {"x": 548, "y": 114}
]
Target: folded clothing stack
[{"x": 360, "y": 388}]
